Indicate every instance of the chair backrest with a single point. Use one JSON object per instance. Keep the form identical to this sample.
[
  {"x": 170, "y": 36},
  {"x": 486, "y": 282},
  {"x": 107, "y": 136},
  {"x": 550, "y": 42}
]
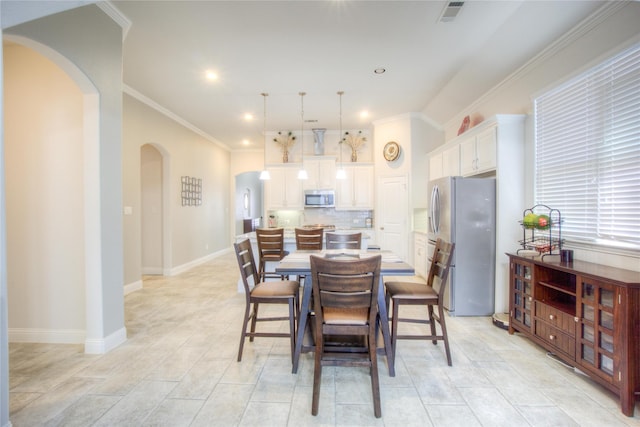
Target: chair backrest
[
  {"x": 270, "y": 241},
  {"x": 248, "y": 272},
  {"x": 343, "y": 240},
  {"x": 439, "y": 269},
  {"x": 309, "y": 238},
  {"x": 348, "y": 289}
]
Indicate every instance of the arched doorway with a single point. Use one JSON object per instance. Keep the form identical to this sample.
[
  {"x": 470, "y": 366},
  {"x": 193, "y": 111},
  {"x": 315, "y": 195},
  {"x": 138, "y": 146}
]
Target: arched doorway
[
  {"x": 154, "y": 210},
  {"x": 64, "y": 224},
  {"x": 248, "y": 199}
]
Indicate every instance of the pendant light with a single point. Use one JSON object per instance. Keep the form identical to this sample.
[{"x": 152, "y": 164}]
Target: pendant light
[
  {"x": 302, "y": 173},
  {"x": 265, "y": 175},
  {"x": 341, "y": 173}
]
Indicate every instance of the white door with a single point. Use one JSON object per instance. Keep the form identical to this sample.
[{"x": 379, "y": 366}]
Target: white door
[{"x": 393, "y": 211}]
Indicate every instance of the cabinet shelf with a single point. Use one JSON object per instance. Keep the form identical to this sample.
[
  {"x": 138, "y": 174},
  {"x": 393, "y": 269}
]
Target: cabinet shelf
[{"x": 567, "y": 289}]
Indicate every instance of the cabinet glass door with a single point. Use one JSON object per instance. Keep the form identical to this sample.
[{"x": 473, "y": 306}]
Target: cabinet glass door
[
  {"x": 596, "y": 342},
  {"x": 521, "y": 294}
]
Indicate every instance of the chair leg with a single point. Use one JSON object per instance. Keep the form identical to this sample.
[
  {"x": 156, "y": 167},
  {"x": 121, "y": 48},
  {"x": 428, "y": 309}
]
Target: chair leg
[
  {"x": 243, "y": 333},
  {"x": 432, "y": 323},
  {"x": 444, "y": 334},
  {"x": 394, "y": 327},
  {"x": 317, "y": 377},
  {"x": 254, "y": 319},
  {"x": 375, "y": 383},
  {"x": 292, "y": 325}
]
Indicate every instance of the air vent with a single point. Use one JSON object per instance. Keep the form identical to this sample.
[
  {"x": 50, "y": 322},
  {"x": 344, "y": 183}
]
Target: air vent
[{"x": 450, "y": 11}]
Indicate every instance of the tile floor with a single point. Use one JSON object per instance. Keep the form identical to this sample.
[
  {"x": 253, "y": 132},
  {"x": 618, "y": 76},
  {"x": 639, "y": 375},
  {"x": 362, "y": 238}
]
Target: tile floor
[{"x": 178, "y": 368}]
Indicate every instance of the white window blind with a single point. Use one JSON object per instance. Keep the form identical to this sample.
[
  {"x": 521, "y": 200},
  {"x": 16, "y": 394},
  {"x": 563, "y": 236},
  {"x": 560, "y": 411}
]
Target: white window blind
[{"x": 587, "y": 139}]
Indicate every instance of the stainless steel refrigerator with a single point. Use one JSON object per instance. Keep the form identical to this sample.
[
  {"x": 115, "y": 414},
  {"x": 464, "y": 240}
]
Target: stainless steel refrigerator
[{"x": 463, "y": 211}]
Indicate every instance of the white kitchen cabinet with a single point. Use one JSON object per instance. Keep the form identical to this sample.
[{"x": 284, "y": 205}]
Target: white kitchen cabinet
[
  {"x": 478, "y": 153},
  {"x": 444, "y": 162},
  {"x": 355, "y": 192},
  {"x": 322, "y": 173},
  {"x": 284, "y": 189},
  {"x": 435, "y": 166},
  {"x": 420, "y": 254},
  {"x": 451, "y": 161}
]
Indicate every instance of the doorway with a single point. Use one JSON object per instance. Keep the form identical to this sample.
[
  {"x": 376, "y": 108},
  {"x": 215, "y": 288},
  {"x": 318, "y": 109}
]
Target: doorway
[
  {"x": 151, "y": 210},
  {"x": 248, "y": 199}
]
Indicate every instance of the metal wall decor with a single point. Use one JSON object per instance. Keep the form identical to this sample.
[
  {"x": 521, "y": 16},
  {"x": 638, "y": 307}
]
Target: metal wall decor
[{"x": 191, "y": 191}]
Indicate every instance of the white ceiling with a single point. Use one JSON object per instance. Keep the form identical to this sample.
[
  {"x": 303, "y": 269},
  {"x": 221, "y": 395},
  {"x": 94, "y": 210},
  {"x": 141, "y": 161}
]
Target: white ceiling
[{"x": 321, "y": 47}]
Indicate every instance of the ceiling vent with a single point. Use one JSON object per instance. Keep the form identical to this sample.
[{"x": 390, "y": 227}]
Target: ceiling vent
[{"x": 450, "y": 11}]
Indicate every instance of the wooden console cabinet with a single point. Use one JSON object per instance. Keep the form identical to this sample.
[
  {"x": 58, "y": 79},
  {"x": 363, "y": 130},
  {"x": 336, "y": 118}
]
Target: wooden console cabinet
[{"x": 587, "y": 314}]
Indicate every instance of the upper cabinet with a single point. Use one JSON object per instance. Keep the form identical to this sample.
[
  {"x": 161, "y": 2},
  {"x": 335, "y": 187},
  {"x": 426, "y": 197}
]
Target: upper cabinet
[
  {"x": 478, "y": 153},
  {"x": 356, "y": 191},
  {"x": 284, "y": 189},
  {"x": 444, "y": 162},
  {"x": 322, "y": 173}
]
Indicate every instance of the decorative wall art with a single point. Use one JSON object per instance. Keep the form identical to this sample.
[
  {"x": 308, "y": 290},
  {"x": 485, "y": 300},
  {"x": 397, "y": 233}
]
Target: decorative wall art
[{"x": 191, "y": 191}]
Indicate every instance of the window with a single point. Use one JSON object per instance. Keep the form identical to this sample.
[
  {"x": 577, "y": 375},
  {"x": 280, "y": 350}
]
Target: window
[{"x": 587, "y": 161}]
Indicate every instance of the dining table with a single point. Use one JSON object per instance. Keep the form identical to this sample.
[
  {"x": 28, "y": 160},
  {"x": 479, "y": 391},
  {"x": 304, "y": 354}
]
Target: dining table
[{"x": 298, "y": 264}]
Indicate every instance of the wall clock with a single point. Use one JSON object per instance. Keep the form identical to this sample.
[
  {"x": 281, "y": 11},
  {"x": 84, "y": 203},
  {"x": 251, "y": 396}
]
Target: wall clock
[{"x": 391, "y": 151}]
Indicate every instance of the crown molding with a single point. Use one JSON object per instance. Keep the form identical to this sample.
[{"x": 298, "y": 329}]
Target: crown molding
[
  {"x": 151, "y": 103},
  {"x": 115, "y": 14},
  {"x": 584, "y": 27}
]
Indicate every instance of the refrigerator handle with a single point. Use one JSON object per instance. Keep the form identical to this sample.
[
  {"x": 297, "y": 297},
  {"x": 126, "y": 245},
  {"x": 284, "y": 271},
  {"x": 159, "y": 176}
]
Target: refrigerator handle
[{"x": 435, "y": 210}]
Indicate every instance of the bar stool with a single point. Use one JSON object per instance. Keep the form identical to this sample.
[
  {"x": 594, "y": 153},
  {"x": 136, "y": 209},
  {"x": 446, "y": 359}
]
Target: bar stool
[{"x": 270, "y": 249}]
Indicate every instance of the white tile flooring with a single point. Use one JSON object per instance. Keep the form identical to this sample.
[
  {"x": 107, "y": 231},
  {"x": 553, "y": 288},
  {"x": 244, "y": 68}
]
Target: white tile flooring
[{"x": 178, "y": 368}]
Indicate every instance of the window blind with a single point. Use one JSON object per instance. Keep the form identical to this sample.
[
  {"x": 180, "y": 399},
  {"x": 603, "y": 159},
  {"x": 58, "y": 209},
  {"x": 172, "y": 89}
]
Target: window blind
[{"x": 587, "y": 161}]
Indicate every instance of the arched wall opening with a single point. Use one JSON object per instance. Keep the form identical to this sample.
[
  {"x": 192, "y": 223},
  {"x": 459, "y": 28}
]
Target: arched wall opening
[{"x": 62, "y": 189}]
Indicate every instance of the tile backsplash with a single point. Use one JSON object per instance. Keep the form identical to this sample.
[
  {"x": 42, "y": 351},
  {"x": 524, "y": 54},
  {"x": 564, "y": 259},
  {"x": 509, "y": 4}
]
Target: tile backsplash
[{"x": 341, "y": 219}]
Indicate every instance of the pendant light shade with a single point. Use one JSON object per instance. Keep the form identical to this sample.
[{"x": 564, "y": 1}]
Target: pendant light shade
[
  {"x": 340, "y": 173},
  {"x": 265, "y": 175},
  {"x": 302, "y": 173}
]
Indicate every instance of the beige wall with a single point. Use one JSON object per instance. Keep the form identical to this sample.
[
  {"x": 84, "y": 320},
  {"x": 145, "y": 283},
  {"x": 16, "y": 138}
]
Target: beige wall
[
  {"x": 44, "y": 198},
  {"x": 193, "y": 233}
]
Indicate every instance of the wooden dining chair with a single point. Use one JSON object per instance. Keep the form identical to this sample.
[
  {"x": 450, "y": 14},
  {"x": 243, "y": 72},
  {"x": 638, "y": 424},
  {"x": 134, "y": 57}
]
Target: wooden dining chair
[
  {"x": 270, "y": 249},
  {"x": 345, "y": 296},
  {"x": 343, "y": 240},
  {"x": 309, "y": 238},
  {"x": 258, "y": 292},
  {"x": 430, "y": 295}
]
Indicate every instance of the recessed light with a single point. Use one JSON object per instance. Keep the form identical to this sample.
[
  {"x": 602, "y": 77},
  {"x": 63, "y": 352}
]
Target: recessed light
[
  {"x": 380, "y": 70},
  {"x": 364, "y": 114},
  {"x": 246, "y": 142},
  {"x": 248, "y": 116},
  {"x": 211, "y": 75}
]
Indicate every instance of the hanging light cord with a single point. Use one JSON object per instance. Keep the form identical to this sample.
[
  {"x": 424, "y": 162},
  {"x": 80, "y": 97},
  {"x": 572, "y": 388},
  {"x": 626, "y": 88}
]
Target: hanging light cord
[
  {"x": 302, "y": 94},
  {"x": 265, "y": 175},
  {"x": 340, "y": 93}
]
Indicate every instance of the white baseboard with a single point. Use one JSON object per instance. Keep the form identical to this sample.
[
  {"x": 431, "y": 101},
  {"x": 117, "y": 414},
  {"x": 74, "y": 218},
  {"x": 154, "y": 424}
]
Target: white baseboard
[
  {"x": 104, "y": 345},
  {"x": 132, "y": 287},
  {"x": 49, "y": 336},
  {"x": 152, "y": 270},
  {"x": 188, "y": 266},
  {"x": 68, "y": 336}
]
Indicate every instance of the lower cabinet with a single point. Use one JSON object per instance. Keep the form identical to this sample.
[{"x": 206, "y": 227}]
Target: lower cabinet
[
  {"x": 588, "y": 315},
  {"x": 420, "y": 254}
]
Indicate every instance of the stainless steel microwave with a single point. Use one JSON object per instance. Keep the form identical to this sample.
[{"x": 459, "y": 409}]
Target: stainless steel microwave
[{"x": 319, "y": 199}]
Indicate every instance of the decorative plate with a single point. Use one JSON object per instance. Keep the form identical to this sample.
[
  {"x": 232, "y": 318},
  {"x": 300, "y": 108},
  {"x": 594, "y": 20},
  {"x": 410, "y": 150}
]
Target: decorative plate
[{"x": 391, "y": 151}]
